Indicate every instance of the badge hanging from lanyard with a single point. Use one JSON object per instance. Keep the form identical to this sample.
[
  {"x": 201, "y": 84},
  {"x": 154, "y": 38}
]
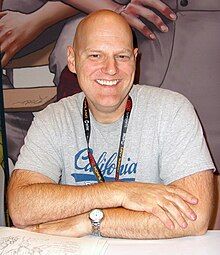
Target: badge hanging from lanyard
[{"x": 87, "y": 128}]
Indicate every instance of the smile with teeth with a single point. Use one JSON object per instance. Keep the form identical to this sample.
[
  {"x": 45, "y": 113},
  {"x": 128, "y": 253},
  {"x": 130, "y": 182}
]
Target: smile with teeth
[{"x": 107, "y": 82}]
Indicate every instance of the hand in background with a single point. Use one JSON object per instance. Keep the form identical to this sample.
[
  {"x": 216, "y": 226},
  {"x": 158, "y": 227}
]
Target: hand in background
[
  {"x": 168, "y": 203},
  {"x": 132, "y": 12},
  {"x": 16, "y": 31},
  {"x": 136, "y": 9}
]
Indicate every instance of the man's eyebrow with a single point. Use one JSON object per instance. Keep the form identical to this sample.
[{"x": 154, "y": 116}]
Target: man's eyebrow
[
  {"x": 92, "y": 49},
  {"x": 125, "y": 51},
  {"x": 116, "y": 52}
]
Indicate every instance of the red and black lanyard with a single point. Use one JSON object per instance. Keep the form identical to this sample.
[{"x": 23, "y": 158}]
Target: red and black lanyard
[{"x": 87, "y": 128}]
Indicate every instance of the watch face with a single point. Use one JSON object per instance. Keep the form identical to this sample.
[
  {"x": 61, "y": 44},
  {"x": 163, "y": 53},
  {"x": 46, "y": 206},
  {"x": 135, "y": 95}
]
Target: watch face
[{"x": 96, "y": 215}]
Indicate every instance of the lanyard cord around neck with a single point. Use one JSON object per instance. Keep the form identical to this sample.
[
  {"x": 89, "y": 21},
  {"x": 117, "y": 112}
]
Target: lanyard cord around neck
[{"x": 87, "y": 128}]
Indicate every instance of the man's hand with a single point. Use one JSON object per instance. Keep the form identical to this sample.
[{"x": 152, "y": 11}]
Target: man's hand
[
  {"x": 139, "y": 8},
  {"x": 76, "y": 226},
  {"x": 168, "y": 203},
  {"x": 16, "y": 31}
]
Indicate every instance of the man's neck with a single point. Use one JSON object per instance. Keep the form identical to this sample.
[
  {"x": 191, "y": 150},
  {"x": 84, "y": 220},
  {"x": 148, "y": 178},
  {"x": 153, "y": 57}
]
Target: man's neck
[{"x": 107, "y": 116}]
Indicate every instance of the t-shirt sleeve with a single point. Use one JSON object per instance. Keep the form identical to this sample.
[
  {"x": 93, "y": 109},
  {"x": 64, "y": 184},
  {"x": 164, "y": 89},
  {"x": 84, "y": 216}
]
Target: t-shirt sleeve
[
  {"x": 40, "y": 152},
  {"x": 183, "y": 147}
]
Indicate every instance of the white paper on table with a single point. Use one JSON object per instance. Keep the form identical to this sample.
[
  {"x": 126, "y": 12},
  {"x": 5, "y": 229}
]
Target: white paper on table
[{"x": 20, "y": 242}]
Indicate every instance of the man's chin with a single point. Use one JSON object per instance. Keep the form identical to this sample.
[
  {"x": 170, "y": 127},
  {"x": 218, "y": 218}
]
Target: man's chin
[{"x": 110, "y": 105}]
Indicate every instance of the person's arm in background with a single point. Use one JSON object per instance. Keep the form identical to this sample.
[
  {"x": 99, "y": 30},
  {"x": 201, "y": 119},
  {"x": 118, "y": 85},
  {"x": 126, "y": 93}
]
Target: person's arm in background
[
  {"x": 1, "y": 2},
  {"x": 18, "y": 29},
  {"x": 123, "y": 223},
  {"x": 131, "y": 12}
]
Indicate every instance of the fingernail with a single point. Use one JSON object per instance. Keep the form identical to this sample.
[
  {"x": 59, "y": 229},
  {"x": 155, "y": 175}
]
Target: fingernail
[
  {"x": 164, "y": 28},
  {"x": 152, "y": 36},
  {"x": 194, "y": 200},
  {"x": 172, "y": 16},
  {"x": 170, "y": 225},
  {"x": 193, "y": 216},
  {"x": 9, "y": 32},
  {"x": 184, "y": 225}
]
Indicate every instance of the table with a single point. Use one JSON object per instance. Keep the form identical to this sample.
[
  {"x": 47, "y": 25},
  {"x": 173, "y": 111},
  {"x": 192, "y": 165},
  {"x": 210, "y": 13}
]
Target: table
[
  {"x": 208, "y": 244},
  {"x": 16, "y": 241}
]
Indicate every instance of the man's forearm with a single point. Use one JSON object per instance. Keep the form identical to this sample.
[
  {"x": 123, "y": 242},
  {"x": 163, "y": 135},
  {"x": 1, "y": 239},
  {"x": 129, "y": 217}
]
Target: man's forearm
[
  {"x": 44, "y": 202},
  {"x": 119, "y": 223},
  {"x": 53, "y": 12},
  {"x": 34, "y": 198},
  {"x": 123, "y": 223}
]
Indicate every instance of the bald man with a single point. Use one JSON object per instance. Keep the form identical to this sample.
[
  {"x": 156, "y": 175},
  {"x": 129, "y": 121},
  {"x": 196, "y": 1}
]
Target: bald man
[{"x": 115, "y": 160}]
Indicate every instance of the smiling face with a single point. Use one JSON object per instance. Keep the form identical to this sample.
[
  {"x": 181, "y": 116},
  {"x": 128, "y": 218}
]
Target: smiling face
[{"x": 104, "y": 60}]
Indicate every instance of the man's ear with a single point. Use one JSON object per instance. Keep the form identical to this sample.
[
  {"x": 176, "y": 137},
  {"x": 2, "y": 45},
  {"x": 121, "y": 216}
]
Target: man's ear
[
  {"x": 135, "y": 53},
  {"x": 71, "y": 59}
]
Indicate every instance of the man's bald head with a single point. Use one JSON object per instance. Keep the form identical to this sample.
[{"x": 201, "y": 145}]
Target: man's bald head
[
  {"x": 104, "y": 59},
  {"x": 104, "y": 21}
]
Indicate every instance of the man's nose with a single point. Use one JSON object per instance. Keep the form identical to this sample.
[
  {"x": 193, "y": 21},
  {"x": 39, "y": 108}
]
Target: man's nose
[{"x": 110, "y": 66}]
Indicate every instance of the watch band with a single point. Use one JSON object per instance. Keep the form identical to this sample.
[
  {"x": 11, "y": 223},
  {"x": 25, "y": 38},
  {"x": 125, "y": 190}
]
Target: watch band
[{"x": 96, "y": 228}]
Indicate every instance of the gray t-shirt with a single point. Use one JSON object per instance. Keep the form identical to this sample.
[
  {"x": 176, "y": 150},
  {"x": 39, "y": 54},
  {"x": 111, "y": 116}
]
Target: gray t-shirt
[{"x": 164, "y": 141}]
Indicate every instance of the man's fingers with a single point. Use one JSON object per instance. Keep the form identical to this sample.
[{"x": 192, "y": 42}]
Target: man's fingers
[
  {"x": 186, "y": 196},
  {"x": 39, "y": 228},
  {"x": 139, "y": 25},
  {"x": 174, "y": 212},
  {"x": 182, "y": 205},
  {"x": 163, "y": 217},
  {"x": 161, "y": 7},
  {"x": 33, "y": 228}
]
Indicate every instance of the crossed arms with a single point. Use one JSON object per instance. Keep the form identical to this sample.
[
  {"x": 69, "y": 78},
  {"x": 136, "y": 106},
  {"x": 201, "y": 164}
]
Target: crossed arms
[{"x": 132, "y": 210}]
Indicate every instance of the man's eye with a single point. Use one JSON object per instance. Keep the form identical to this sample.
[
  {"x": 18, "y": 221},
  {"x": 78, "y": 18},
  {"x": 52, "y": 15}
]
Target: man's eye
[
  {"x": 94, "y": 56},
  {"x": 123, "y": 57}
]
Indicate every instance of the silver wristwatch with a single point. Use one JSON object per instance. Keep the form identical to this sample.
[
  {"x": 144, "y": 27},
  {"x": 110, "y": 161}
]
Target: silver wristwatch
[{"x": 96, "y": 216}]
